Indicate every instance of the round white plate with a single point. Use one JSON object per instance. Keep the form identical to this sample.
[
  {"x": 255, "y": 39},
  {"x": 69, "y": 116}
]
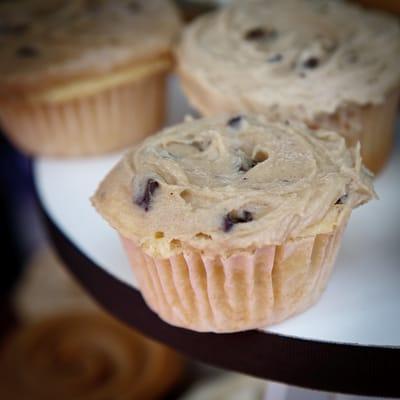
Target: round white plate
[{"x": 362, "y": 302}]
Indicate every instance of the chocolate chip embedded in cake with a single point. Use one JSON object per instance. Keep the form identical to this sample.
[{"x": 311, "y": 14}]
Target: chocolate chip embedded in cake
[
  {"x": 342, "y": 199},
  {"x": 235, "y": 122},
  {"x": 145, "y": 198},
  {"x": 247, "y": 164},
  {"x": 311, "y": 63},
  {"x": 233, "y": 218},
  {"x": 257, "y": 34}
]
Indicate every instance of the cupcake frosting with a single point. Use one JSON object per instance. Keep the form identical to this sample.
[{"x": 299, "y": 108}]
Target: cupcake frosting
[
  {"x": 293, "y": 57},
  {"x": 228, "y": 184},
  {"x": 52, "y": 40}
]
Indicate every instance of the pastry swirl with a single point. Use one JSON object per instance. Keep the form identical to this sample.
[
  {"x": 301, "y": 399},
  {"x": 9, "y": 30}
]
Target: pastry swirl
[{"x": 85, "y": 357}]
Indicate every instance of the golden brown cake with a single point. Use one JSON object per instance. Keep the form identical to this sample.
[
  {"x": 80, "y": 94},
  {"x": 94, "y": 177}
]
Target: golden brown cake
[
  {"x": 85, "y": 356},
  {"x": 83, "y": 76},
  {"x": 233, "y": 223},
  {"x": 328, "y": 63}
]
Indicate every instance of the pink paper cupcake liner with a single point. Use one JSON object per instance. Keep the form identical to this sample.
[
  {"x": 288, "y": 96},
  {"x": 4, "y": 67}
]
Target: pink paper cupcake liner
[{"x": 241, "y": 292}]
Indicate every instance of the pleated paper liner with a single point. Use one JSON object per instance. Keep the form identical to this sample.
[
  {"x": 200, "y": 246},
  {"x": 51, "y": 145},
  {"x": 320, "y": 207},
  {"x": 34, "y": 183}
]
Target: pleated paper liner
[
  {"x": 241, "y": 292},
  {"x": 109, "y": 120}
]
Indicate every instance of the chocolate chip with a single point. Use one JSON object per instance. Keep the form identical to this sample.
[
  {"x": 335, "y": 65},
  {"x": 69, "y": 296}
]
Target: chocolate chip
[
  {"x": 258, "y": 33},
  {"x": 16, "y": 29},
  {"x": 235, "y": 122},
  {"x": 311, "y": 63},
  {"x": 232, "y": 218},
  {"x": 144, "y": 199},
  {"x": 342, "y": 199},
  {"x": 200, "y": 146},
  {"x": 247, "y": 165},
  {"x": 275, "y": 58},
  {"x": 27, "y": 51}
]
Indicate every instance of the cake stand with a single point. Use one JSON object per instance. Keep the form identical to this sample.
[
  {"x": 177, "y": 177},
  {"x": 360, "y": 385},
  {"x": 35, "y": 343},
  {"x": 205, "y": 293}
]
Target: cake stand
[{"x": 349, "y": 342}]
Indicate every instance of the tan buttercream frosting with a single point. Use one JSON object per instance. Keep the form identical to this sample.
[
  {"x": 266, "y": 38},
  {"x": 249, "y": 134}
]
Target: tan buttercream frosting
[
  {"x": 224, "y": 185},
  {"x": 292, "y": 57},
  {"x": 49, "y": 40}
]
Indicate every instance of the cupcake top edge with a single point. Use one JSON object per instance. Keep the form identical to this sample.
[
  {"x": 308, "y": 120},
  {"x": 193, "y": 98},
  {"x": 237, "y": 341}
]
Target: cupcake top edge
[
  {"x": 231, "y": 183},
  {"x": 64, "y": 39},
  {"x": 305, "y": 56}
]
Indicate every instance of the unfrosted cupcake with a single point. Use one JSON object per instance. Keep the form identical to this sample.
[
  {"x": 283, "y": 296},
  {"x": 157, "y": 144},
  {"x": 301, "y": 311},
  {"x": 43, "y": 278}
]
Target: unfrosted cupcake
[
  {"x": 83, "y": 76},
  {"x": 233, "y": 224},
  {"x": 327, "y": 63}
]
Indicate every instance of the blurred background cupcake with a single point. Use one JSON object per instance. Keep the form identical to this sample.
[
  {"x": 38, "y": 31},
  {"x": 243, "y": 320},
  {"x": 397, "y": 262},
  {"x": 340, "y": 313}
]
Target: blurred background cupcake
[
  {"x": 84, "y": 77},
  {"x": 329, "y": 64},
  {"x": 85, "y": 356},
  {"x": 66, "y": 347}
]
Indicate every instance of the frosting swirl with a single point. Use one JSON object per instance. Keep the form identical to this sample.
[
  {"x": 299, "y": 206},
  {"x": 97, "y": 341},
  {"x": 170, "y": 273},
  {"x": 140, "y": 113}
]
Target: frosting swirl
[
  {"x": 292, "y": 57},
  {"x": 42, "y": 41},
  {"x": 85, "y": 357},
  {"x": 224, "y": 184}
]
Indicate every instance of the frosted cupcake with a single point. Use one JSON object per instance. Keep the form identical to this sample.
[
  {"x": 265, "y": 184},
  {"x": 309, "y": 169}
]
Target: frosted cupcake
[
  {"x": 83, "y": 77},
  {"x": 233, "y": 224},
  {"x": 327, "y": 63}
]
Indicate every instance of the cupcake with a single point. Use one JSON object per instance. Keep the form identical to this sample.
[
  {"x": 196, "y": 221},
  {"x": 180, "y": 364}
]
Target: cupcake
[
  {"x": 83, "y": 77},
  {"x": 233, "y": 224},
  {"x": 85, "y": 356},
  {"x": 329, "y": 64}
]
